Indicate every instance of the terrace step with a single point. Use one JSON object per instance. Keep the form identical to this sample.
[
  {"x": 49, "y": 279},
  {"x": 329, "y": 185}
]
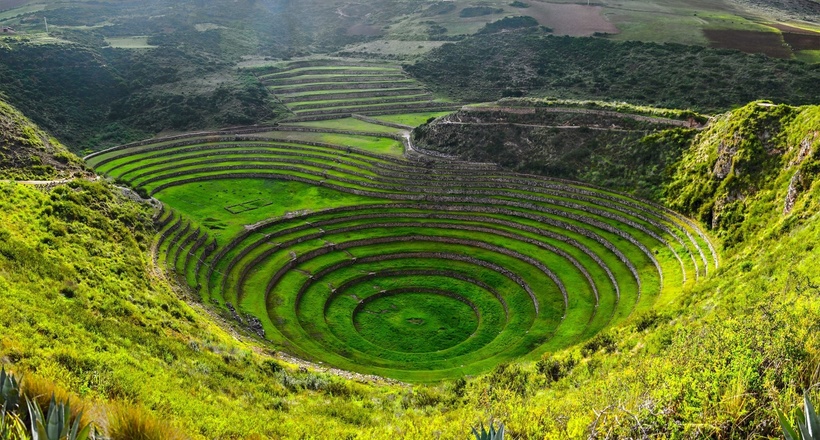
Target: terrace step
[
  {"x": 372, "y": 101},
  {"x": 332, "y": 79},
  {"x": 330, "y": 95},
  {"x": 387, "y": 85},
  {"x": 341, "y": 70}
]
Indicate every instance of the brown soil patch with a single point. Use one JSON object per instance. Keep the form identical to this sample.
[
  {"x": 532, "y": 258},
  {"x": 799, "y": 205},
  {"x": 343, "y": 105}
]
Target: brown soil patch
[
  {"x": 802, "y": 41},
  {"x": 569, "y": 19},
  {"x": 363, "y": 29},
  {"x": 769, "y": 43}
]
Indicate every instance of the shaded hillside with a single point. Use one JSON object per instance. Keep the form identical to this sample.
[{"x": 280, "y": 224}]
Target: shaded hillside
[
  {"x": 531, "y": 62},
  {"x": 753, "y": 169},
  {"x": 64, "y": 88},
  {"x": 615, "y": 150},
  {"x": 28, "y": 153},
  {"x": 90, "y": 98}
]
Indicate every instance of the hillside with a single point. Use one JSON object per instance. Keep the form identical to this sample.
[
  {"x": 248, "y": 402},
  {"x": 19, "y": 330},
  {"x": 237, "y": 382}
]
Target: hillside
[
  {"x": 531, "y": 62},
  {"x": 731, "y": 347},
  {"x": 28, "y": 153},
  {"x": 752, "y": 171},
  {"x": 89, "y": 97},
  {"x": 618, "y": 150}
]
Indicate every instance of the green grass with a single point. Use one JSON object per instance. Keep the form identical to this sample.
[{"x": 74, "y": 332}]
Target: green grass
[
  {"x": 205, "y": 202},
  {"x": 416, "y": 322},
  {"x": 386, "y": 146},
  {"x": 412, "y": 119},
  {"x": 334, "y": 102},
  {"x": 349, "y": 124},
  {"x": 129, "y": 42},
  {"x": 808, "y": 56},
  {"x": 354, "y": 91},
  {"x": 373, "y": 68},
  {"x": 284, "y": 89}
]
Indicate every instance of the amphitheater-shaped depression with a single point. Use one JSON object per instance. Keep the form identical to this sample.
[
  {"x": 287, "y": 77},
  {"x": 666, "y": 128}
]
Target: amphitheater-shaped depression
[{"x": 348, "y": 253}]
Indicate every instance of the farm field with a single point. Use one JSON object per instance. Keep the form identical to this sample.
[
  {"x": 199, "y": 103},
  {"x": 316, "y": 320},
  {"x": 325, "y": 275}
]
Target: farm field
[
  {"x": 401, "y": 265},
  {"x": 687, "y": 22}
]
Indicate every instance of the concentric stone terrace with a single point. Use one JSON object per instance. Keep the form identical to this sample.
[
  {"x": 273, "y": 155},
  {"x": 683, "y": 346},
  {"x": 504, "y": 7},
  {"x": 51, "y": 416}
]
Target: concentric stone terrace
[
  {"x": 329, "y": 89},
  {"x": 411, "y": 269}
]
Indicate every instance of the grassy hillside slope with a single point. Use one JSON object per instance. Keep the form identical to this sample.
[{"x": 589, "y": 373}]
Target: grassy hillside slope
[
  {"x": 26, "y": 152},
  {"x": 90, "y": 97},
  {"x": 752, "y": 171}
]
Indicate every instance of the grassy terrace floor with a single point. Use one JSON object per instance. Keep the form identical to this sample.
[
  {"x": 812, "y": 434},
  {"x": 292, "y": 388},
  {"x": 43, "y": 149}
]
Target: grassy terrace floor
[{"x": 351, "y": 255}]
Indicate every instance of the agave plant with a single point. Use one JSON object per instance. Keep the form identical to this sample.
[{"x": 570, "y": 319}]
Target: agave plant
[
  {"x": 9, "y": 393},
  {"x": 57, "y": 424},
  {"x": 11, "y": 427},
  {"x": 808, "y": 423},
  {"x": 492, "y": 434}
]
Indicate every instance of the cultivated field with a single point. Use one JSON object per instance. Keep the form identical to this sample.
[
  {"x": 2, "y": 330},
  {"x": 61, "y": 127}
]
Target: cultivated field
[{"x": 345, "y": 252}]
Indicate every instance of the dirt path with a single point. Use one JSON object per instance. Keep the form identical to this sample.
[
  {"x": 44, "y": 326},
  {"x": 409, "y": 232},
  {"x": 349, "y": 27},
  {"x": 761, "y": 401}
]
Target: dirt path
[
  {"x": 541, "y": 126},
  {"x": 610, "y": 113}
]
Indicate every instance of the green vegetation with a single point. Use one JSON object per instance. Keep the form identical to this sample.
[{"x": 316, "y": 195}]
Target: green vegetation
[
  {"x": 508, "y": 23},
  {"x": 332, "y": 89},
  {"x": 269, "y": 277},
  {"x": 763, "y": 144},
  {"x": 569, "y": 140},
  {"x": 412, "y": 120},
  {"x": 64, "y": 274},
  {"x": 28, "y": 153},
  {"x": 105, "y": 97},
  {"x": 348, "y": 124},
  {"x": 529, "y": 62},
  {"x": 478, "y": 11}
]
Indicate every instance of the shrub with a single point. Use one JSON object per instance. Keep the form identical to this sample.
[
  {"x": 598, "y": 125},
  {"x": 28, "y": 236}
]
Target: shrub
[
  {"x": 491, "y": 434},
  {"x": 511, "y": 377},
  {"x": 134, "y": 423},
  {"x": 601, "y": 341},
  {"x": 554, "y": 369},
  {"x": 647, "y": 320}
]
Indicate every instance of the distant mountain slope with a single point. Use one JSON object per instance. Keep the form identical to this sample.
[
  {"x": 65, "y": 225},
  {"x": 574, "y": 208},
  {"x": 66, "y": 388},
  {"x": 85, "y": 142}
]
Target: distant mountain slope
[
  {"x": 28, "y": 153},
  {"x": 533, "y": 63},
  {"x": 90, "y": 98}
]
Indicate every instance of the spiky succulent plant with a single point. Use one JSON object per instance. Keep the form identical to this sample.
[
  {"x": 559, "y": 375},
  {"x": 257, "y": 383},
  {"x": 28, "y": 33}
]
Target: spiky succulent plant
[
  {"x": 808, "y": 423},
  {"x": 491, "y": 434},
  {"x": 57, "y": 424}
]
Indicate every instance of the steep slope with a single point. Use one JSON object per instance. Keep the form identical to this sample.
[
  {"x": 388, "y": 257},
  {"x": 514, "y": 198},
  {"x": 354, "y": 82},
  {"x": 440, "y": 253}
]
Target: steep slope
[
  {"x": 26, "y": 152},
  {"x": 90, "y": 97},
  {"x": 754, "y": 169},
  {"x": 616, "y": 147}
]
